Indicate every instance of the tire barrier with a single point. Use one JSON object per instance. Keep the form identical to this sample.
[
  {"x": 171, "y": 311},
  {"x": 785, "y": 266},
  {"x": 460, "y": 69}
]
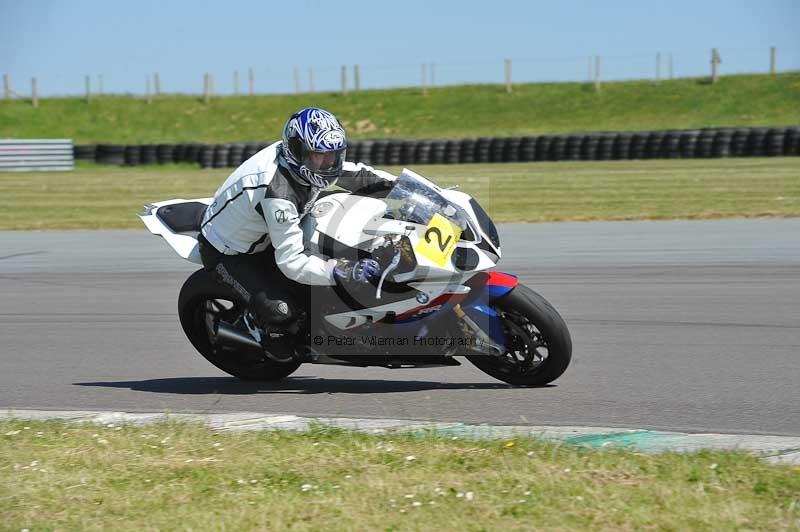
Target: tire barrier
[
  {"x": 671, "y": 144},
  {"x": 110, "y": 154}
]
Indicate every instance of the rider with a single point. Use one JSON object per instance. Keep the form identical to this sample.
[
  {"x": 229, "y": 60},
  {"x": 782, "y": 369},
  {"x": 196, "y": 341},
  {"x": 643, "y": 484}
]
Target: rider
[{"x": 251, "y": 239}]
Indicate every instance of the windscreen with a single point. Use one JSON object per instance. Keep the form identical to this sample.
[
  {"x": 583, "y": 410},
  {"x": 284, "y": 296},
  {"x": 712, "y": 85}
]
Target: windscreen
[{"x": 413, "y": 199}]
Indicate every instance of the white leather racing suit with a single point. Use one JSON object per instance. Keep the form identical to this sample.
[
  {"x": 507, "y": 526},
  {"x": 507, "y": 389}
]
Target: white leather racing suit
[{"x": 261, "y": 204}]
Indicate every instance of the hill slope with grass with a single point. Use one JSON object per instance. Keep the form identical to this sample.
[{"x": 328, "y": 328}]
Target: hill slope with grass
[{"x": 457, "y": 111}]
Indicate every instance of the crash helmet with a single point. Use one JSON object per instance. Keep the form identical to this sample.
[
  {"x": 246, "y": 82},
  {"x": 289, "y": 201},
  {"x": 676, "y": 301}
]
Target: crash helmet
[{"x": 313, "y": 147}]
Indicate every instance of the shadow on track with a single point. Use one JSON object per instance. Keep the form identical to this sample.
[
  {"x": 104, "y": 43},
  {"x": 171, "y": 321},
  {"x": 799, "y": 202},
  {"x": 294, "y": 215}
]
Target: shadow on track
[{"x": 299, "y": 385}]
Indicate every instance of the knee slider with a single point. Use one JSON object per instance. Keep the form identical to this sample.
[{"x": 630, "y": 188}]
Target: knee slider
[{"x": 273, "y": 311}]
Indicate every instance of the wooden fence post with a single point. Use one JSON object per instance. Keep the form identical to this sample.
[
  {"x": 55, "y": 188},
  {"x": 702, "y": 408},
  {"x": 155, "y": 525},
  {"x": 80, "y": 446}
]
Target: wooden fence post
[
  {"x": 157, "y": 79},
  {"x": 344, "y": 80},
  {"x": 772, "y": 59},
  {"x": 296, "y": 81},
  {"x": 508, "y": 75},
  {"x": 206, "y": 88},
  {"x": 597, "y": 73},
  {"x": 715, "y": 60},
  {"x": 671, "y": 72},
  {"x": 88, "y": 89},
  {"x": 658, "y": 67},
  {"x": 357, "y": 78},
  {"x": 433, "y": 74},
  {"x": 250, "y": 81},
  {"x": 424, "y": 78},
  {"x": 236, "y": 82},
  {"x": 34, "y": 93},
  {"x": 99, "y": 84}
]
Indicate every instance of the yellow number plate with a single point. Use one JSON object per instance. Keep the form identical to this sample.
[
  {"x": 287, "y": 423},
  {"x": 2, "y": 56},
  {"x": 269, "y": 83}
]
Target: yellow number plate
[{"x": 439, "y": 240}]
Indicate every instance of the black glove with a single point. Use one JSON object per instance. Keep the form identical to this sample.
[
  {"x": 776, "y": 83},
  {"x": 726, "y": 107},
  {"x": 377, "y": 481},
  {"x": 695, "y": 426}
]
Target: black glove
[{"x": 362, "y": 271}]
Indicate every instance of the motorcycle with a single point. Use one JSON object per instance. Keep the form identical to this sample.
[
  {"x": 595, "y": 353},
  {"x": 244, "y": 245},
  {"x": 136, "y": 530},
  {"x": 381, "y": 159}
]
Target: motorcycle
[{"x": 435, "y": 300}]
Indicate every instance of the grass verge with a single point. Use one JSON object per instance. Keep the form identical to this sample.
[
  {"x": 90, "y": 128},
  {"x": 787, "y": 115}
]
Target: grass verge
[
  {"x": 100, "y": 197},
  {"x": 453, "y": 111},
  {"x": 170, "y": 476}
]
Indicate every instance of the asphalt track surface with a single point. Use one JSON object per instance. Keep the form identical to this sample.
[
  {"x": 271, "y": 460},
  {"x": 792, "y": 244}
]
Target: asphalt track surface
[{"x": 684, "y": 325}]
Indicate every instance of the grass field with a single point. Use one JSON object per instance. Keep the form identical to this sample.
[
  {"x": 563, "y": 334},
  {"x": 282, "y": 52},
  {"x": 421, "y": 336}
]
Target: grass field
[
  {"x": 166, "y": 477},
  {"x": 458, "y": 111},
  {"x": 95, "y": 197}
]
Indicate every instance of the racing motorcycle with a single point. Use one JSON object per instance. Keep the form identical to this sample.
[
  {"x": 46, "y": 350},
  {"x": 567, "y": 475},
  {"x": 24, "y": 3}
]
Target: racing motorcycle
[{"x": 435, "y": 300}]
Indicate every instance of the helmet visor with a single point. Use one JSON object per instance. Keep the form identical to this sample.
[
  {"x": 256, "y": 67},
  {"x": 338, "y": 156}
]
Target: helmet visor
[{"x": 325, "y": 162}]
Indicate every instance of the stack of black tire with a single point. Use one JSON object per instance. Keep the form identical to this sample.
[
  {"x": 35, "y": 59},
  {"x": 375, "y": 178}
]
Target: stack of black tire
[{"x": 603, "y": 146}]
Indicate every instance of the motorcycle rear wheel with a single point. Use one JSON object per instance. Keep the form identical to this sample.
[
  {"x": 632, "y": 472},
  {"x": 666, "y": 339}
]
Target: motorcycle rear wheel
[
  {"x": 539, "y": 347},
  {"x": 201, "y": 301}
]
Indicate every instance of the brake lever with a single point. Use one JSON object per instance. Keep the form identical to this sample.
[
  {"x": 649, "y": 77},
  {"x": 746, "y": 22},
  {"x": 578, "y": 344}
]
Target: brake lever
[{"x": 389, "y": 269}]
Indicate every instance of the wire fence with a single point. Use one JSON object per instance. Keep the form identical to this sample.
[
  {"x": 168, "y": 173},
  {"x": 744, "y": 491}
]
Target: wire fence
[{"x": 349, "y": 78}]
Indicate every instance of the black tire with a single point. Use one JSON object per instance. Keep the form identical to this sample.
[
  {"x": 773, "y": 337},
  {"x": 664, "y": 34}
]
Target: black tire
[
  {"x": 393, "y": 149},
  {"x": 466, "y": 153},
  {"x": 165, "y": 153},
  {"x": 637, "y": 146},
  {"x": 482, "y": 146},
  {"x": 110, "y": 154},
  {"x": 147, "y": 154},
  {"x": 437, "y": 152},
  {"x": 548, "y": 330},
  {"x": 378, "y": 154},
  {"x": 527, "y": 149},
  {"x": 235, "y": 154},
  {"x": 572, "y": 149},
  {"x": 722, "y": 143},
  {"x": 558, "y": 145},
  {"x": 452, "y": 150},
  {"x": 84, "y": 152},
  {"x": 605, "y": 148},
  {"x": 422, "y": 155},
  {"x": 194, "y": 302},
  {"x": 133, "y": 156},
  {"x": 704, "y": 148},
  {"x": 589, "y": 147}
]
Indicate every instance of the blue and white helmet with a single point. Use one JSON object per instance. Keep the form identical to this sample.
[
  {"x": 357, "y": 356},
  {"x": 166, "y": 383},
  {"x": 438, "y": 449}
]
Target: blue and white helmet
[{"x": 314, "y": 146}]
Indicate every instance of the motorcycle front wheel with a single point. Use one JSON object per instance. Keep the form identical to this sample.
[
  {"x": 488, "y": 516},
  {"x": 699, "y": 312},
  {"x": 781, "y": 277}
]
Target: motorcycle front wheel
[
  {"x": 201, "y": 305},
  {"x": 538, "y": 344}
]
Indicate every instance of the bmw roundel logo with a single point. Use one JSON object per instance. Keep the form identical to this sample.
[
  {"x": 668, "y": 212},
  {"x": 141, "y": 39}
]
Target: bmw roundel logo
[{"x": 422, "y": 298}]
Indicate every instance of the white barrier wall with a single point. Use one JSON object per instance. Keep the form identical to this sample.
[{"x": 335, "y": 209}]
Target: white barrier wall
[{"x": 28, "y": 155}]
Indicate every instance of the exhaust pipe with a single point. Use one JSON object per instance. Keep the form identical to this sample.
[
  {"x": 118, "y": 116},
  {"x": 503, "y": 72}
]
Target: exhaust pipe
[{"x": 231, "y": 336}]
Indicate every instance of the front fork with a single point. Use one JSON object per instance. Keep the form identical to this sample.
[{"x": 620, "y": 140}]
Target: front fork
[{"x": 477, "y": 314}]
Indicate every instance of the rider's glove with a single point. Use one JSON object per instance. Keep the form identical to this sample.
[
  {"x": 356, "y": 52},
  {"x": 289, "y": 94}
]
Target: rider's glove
[{"x": 362, "y": 271}]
